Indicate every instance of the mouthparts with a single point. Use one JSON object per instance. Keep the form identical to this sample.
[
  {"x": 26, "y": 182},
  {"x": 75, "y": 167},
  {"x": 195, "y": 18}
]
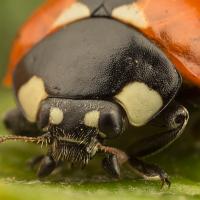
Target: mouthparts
[{"x": 77, "y": 149}]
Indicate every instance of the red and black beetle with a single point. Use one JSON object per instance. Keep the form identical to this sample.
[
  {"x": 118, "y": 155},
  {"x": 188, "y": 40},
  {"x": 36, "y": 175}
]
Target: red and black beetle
[{"x": 85, "y": 71}]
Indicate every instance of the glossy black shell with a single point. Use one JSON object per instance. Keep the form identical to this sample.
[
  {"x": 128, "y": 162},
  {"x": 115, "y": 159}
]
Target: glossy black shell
[{"x": 94, "y": 59}]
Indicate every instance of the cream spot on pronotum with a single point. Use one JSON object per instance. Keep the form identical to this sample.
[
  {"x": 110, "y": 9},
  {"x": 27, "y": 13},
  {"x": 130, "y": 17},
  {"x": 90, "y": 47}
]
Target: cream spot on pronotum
[
  {"x": 75, "y": 12},
  {"x": 131, "y": 14},
  {"x": 140, "y": 102},
  {"x": 56, "y": 116},
  {"x": 30, "y": 96},
  {"x": 91, "y": 118}
]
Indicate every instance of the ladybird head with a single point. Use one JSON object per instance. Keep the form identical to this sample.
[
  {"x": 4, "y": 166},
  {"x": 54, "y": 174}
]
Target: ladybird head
[
  {"x": 78, "y": 127},
  {"x": 74, "y": 130}
]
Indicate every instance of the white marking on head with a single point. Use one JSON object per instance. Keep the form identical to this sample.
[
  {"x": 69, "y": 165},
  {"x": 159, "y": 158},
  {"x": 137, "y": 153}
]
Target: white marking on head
[
  {"x": 91, "y": 118},
  {"x": 140, "y": 102},
  {"x": 75, "y": 12},
  {"x": 56, "y": 116},
  {"x": 30, "y": 96},
  {"x": 131, "y": 14}
]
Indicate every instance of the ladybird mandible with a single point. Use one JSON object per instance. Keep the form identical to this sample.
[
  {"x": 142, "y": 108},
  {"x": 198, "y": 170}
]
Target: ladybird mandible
[{"x": 85, "y": 71}]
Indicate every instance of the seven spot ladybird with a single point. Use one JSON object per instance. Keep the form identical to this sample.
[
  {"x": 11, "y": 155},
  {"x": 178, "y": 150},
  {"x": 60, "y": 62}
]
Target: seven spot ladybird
[{"x": 85, "y": 71}]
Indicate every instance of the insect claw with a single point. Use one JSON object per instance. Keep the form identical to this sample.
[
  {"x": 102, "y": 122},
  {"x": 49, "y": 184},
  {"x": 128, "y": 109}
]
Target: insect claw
[{"x": 165, "y": 181}]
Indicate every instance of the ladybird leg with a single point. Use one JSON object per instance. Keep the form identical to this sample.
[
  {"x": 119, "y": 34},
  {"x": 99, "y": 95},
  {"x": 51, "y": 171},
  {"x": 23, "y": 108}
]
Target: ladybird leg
[
  {"x": 114, "y": 159},
  {"x": 35, "y": 161},
  {"x": 149, "y": 171},
  {"x": 18, "y": 124},
  {"x": 176, "y": 117},
  {"x": 111, "y": 165},
  {"x": 47, "y": 166},
  {"x": 190, "y": 96}
]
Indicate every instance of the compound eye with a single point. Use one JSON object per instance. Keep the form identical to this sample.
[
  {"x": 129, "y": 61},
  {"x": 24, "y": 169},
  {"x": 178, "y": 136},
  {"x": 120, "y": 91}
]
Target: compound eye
[{"x": 56, "y": 116}]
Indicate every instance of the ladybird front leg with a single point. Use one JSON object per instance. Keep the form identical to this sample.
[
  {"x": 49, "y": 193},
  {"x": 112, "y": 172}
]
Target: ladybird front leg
[
  {"x": 175, "y": 118},
  {"x": 46, "y": 167},
  {"x": 35, "y": 161},
  {"x": 111, "y": 165},
  {"x": 149, "y": 171},
  {"x": 191, "y": 97},
  {"x": 115, "y": 158}
]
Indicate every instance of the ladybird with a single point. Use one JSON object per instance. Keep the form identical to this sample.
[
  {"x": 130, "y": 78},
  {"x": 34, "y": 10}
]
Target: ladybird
[{"x": 84, "y": 72}]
